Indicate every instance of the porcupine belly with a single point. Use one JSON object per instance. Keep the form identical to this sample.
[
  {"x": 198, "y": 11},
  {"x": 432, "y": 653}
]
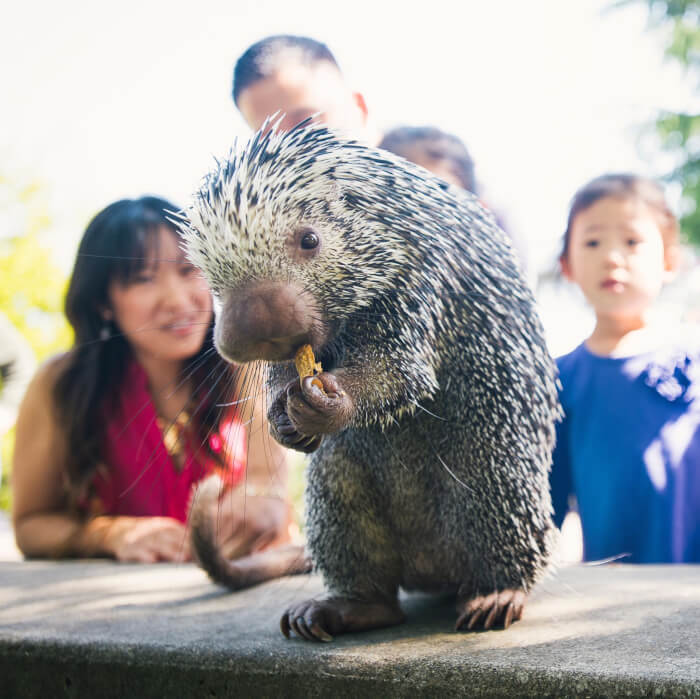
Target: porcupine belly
[{"x": 389, "y": 492}]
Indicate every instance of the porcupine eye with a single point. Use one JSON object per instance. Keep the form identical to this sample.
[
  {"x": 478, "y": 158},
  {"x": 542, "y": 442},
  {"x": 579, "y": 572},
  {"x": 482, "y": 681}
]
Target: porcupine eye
[
  {"x": 309, "y": 241},
  {"x": 304, "y": 244}
]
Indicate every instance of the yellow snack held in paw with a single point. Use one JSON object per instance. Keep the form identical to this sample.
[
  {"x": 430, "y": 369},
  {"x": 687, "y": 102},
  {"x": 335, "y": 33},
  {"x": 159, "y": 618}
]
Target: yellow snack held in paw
[{"x": 307, "y": 365}]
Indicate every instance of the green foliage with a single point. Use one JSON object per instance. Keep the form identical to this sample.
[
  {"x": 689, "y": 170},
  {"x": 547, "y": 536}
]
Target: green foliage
[
  {"x": 6, "y": 446},
  {"x": 680, "y": 22},
  {"x": 33, "y": 287},
  {"x": 679, "y": 133}
]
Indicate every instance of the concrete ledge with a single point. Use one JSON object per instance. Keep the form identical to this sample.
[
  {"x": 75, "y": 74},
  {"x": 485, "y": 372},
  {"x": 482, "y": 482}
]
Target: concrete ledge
[{"x": 104, "y": 629}]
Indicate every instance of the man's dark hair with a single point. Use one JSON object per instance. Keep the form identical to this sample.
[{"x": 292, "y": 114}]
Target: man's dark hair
[
  {"x": 260, "y": 60},
  {"x": 436, "y": 145}
]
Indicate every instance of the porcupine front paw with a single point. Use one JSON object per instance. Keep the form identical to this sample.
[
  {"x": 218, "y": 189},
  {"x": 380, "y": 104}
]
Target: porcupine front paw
[
  {"x": 487, "y": 611},
  {"x": 282, "y": 429},
  {"x": 320, "y": 620},
  {"x": 313, "y": 410}
]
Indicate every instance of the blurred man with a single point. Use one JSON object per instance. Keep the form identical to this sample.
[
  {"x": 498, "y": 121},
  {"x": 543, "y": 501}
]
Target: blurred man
[{"x": 298, "y": 77}]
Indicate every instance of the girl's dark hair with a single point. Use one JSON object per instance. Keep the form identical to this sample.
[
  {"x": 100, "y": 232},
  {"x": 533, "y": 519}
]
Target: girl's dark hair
[
  {"x": 114, "y": 246},
  {"x": 437, "y": 145},
  {"x": 625, "y": 186}
]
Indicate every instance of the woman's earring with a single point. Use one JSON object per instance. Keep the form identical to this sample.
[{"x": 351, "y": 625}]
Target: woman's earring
[{"x": 106, "y": 331}]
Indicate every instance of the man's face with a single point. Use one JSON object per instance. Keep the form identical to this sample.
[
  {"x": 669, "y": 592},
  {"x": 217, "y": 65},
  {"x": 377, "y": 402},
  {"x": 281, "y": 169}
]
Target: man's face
[{"x": 300, "y": 91}]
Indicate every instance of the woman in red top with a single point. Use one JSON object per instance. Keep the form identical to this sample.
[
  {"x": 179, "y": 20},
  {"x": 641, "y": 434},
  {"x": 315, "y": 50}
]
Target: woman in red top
[{"x": 113, "y": 436}]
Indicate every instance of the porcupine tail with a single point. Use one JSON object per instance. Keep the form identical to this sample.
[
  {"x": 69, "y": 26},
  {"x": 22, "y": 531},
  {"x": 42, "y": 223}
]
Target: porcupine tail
[{"x": 247, "y": 571}]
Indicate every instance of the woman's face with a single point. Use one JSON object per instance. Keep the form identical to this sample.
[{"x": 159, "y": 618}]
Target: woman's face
[{"x": 165, "y": 311}]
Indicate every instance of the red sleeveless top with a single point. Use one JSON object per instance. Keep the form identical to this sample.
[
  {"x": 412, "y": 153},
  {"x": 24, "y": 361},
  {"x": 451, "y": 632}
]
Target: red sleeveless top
[{"x": 139, "y": 477}]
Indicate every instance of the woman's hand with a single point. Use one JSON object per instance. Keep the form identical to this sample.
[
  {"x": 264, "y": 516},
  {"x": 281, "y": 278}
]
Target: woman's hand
[{"x": 145, "y": 539}]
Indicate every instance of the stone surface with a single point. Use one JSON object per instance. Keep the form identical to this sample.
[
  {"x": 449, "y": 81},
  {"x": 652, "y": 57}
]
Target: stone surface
[
  {"x": 99, "y": 628},
  {"x": 8, "y": 549}
]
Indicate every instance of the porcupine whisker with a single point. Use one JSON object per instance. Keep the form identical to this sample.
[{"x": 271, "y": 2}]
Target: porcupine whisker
[
  {"x": 266, "y": 437},
  {"x": 219, "y": 365},
  {"x": 235, "y": 402},
  {"x": 425, "y": 410},
  {"x": 609, "y": 559},
  {"x": 149, "y": 328},
  {"x": 226, "y": 371},
  {"x": 394, "y": 452},
  {"x": 262, "y": 369},
  {"x": 187, "y": 376},
  {"x": 231, "y": 373},
  {"x": 250, "y": 376},
  {"x": 554, "y": 573},
  {"x": 444, "y": 465},
  {"x": 152, "y": 421},
  {"x": 112, "y": 336},
  {"x": 196, "y": 451},
  {"x": 260, "y": 399},
  {"x": 447, "y": 468},
  {"x": 230, "y": 380},
  {"x": 149, "y": 461},
  {"x": 193, "y": 370},
  {"x": 170, "y": 425},
  {"x": 127, "y": 257}
]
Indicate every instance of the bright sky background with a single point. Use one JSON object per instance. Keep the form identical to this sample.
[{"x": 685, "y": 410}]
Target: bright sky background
[{"x": 106, "y": 100}]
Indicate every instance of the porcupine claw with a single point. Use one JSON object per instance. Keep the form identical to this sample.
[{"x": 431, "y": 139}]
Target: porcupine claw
[
  {"x": 282, "y": 429},
  {"x": 320, "y": 620},
  {"x": 497, "y": 609},
  {"x": 318, "y": 411}
]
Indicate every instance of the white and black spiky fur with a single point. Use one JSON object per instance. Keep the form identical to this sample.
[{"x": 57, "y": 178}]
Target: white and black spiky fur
[{"x": 441, "y": 480}]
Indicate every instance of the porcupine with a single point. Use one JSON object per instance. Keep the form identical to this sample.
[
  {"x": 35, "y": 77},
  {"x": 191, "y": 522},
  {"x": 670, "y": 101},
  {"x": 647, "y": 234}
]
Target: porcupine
[{"x": 432, "y": 437}]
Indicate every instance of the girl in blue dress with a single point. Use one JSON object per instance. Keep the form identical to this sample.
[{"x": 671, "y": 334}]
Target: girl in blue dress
[{"x": 628, "y": 447}]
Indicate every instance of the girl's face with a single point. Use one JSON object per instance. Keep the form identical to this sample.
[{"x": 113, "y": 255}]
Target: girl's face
[
  {"x": 616, "y": 255},
  {"x": 166, "y": 310}
]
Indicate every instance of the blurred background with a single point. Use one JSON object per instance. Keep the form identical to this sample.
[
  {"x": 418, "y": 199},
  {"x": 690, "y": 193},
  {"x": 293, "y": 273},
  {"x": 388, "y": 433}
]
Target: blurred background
[{"x": 101, "y": 101}]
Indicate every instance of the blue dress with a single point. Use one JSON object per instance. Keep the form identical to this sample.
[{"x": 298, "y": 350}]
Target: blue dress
[{"x": 629, "y": 450}]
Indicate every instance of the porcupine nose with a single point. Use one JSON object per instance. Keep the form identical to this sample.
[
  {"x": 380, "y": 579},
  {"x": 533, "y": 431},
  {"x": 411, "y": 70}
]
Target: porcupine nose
[{"x": 264, "y": 321}]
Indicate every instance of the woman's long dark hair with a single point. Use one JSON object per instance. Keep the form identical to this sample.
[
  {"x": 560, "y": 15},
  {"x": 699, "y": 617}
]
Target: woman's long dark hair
[{"x": 115, "y": 246}]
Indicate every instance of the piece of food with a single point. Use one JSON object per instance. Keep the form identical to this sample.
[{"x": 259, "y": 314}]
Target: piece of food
[{"x": 307, "y": 365}]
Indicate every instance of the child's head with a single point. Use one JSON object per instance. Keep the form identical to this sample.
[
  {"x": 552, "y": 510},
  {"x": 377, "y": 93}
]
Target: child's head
[
  {"x": 131, "y": 278},
  {"x": 298, "y": 77},
  {"x": 441, "y": 153},
  {"x": 621, "y": 243}
]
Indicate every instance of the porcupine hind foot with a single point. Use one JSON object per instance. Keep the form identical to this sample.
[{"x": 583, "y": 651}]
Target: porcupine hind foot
[
  {"x": 500, "y": 608},
  {"x": 320, "y": 620}
]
